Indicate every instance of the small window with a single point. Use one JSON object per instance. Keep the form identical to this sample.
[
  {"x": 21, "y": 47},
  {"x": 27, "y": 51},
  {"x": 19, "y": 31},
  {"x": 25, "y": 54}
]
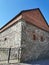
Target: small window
[
  {"x": 5, "y": 39},
  {"x": 34, "y": 37},
  {"x": 42, "y": 39}
]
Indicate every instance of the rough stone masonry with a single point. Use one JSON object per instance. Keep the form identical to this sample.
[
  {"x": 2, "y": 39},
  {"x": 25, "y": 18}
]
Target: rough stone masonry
[{"x": 24, "y": 38}]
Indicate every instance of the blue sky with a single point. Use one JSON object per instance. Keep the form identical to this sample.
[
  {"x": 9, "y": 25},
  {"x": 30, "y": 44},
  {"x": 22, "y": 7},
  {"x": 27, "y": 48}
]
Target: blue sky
[{"x": 10, "y": 8}]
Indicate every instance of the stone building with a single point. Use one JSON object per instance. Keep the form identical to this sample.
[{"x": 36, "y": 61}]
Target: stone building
[{"x": 25, "y": 38}]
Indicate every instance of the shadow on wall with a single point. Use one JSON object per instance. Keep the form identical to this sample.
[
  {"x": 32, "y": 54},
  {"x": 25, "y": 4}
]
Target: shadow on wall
[{"x": 39, "y": 62}]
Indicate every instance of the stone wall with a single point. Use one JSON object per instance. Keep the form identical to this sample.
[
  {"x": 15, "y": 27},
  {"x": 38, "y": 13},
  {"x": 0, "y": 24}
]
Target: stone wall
[
  {"x": 10, "y": 38},
  {"x": 27, "y": 42},
  {"x": 35, "y": 43}
]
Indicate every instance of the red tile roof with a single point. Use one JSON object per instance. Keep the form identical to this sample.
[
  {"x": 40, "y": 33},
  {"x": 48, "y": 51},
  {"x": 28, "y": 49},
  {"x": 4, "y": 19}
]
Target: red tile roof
[{"x": 33, "y": 16}]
